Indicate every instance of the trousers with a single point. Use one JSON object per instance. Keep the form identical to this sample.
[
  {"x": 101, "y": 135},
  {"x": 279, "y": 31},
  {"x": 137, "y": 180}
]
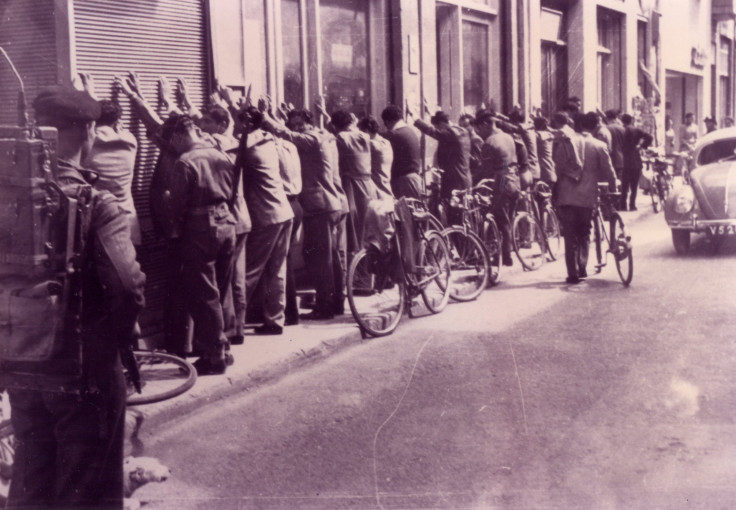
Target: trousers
[
  {"x": 69, "y": 448},
  {"x": 629, "y": 186},
  {"x": 265, "y": 270},
  {"x": 323, "y": 260},
  {"x": 292, "y": 308},
  {"x": 576, "y": 223},
  {"x": 207, "y": 274}
]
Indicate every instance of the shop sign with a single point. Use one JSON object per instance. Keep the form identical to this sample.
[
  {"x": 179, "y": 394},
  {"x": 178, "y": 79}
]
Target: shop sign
[{"x": 698, "y": 57}]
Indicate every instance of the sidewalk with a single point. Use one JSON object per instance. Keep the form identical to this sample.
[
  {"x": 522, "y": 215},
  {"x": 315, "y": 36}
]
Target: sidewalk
[{"x": 262, "y": 359}]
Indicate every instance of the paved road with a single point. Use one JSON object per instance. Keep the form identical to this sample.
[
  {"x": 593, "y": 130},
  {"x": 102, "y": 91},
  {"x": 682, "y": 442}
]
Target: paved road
[{"x": 538, "y": 395}]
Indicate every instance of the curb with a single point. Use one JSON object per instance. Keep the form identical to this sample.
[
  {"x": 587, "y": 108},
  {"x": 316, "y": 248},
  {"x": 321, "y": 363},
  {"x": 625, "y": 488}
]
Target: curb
[{"x": 285, "y": 357}]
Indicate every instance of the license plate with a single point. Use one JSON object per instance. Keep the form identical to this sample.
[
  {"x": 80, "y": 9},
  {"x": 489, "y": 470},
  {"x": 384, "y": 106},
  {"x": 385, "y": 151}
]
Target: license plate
[{"x": 722, "y": 230}]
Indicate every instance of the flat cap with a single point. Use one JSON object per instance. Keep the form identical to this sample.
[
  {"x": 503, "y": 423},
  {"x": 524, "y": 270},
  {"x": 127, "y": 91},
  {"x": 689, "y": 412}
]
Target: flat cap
[{"x": 66, "y": 104}]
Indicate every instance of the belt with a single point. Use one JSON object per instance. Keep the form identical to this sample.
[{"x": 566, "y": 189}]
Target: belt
[{"x": 205, "y": 209}]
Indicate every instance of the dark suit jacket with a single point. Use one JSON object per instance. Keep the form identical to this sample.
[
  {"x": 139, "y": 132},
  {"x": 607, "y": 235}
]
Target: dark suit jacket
[{"x": 634, "y": 139}]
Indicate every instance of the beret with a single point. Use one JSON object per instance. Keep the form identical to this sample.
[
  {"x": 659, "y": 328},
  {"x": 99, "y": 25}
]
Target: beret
[{"x": 66, "y": 104}]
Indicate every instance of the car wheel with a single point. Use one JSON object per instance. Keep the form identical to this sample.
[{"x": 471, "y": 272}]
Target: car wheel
[{"x": 681, "y": 241}]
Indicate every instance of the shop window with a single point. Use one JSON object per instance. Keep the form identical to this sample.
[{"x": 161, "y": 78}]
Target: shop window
[
  {"x": 292, "y": 53},
  {"x": 475, "y": 64},
  {"x": 239, "y": 43},
  {"x": 554, "y": 60},
  {"x": 609, "y": 68},
  {"x": 344, "y": 34}
]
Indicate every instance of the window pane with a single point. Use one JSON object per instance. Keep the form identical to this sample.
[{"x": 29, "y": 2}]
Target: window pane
[
  {"x": 254, "y": 42},
  {"x": 293, "y": 80},
  {"x": 475, "y": 63},
  {"x": 344, "y": 31}
]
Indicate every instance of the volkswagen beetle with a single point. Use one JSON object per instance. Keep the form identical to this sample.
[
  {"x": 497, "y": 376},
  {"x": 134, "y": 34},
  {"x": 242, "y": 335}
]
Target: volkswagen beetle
[{"x": 705, "y": 202}]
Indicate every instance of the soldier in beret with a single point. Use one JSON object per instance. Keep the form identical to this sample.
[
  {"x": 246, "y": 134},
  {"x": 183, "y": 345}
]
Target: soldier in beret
[{"x": 70, "y": 447}]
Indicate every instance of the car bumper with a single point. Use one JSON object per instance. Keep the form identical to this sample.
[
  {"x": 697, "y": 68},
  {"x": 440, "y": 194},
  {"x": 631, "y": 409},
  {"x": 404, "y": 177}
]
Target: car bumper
[{"x": 716, "y": 227}]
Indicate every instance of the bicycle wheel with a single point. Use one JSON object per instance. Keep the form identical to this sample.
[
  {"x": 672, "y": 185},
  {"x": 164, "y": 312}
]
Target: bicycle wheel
[
  {"x": 469, "y": 264},
  {"x": 163, "y": 376},
  {"x": 376, "y": 299},
  {"x": 528, "y": 241},
  {"x": 492, "y": 243},
  {"x": 433, "y": 271},
  {"x": 7, "y": 457},
  {"x": 552, "y": 233},
  {"x": 654, "y": 193},
  {"x": 598, "y": 241},
  {"x": 621, "y": 249}
]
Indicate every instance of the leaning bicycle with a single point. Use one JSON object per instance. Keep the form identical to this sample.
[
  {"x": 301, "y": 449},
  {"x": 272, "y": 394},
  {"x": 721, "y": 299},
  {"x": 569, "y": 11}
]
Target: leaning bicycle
[
  {"x": 470, "y": 261},
  {"x": 535, "y": 231},
  {"x": 611, "y": 236},
  {"x": 381, "y": 285}
]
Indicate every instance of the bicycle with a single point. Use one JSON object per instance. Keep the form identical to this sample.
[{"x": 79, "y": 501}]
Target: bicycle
[
  {"x": 662, "y": 179},
  {"x": 535, "y": 231},
  {"x": 7, "y": 448},
  {"x": 616, "y": 239},
  {"x": 470, "y": 261},
  {"x": 484, "y": 225},
  {"x": 380, "y": 285},
  {"x": 161, "y": 376}
]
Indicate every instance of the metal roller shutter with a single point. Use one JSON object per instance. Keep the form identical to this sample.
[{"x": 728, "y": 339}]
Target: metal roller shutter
[
  {"x": 28, "y": 35},
  {"x": 154, "y": 38}
]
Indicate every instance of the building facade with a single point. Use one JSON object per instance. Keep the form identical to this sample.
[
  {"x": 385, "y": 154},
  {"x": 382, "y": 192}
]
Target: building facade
[{"x": 653, "y": 58}]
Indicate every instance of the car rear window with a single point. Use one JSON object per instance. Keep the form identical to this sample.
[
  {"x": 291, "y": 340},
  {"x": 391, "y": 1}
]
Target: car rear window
[{"x": 717, "y": 150}]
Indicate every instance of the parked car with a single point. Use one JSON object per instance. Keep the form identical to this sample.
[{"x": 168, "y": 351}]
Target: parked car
[{"x": 705, "y": 202}]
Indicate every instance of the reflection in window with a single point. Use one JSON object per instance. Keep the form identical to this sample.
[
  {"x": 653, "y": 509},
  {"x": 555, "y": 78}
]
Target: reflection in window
[
  {"x": 610, "y": 29},
  {"x": 344, "y": 27},
  {"x": 293, "y": 80},
  {"x": 475, "y": 64},
  {"x": 254, "y": 44}
]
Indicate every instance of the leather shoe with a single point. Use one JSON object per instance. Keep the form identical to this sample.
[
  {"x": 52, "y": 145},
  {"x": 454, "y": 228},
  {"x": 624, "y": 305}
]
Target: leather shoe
[
  {"x": 205, "y": 366},
  {"x": 572, "y": 279},
  {"x": 316, "y": 316},
  {"x": 269, "y": 329},
  {"x": 291, "y": 322},
  {"x": 236, "y": 340}
]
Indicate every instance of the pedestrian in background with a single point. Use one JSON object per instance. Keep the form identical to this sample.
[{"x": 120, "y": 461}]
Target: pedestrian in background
[
  {"x": 635, "y": 139},
  {"x": 616, "y": 148}
]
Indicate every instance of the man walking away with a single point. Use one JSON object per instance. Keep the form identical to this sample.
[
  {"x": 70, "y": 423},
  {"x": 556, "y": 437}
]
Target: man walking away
[
  {"x": 617, "y": 141},
  {"x": 577, "y": 194}
]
